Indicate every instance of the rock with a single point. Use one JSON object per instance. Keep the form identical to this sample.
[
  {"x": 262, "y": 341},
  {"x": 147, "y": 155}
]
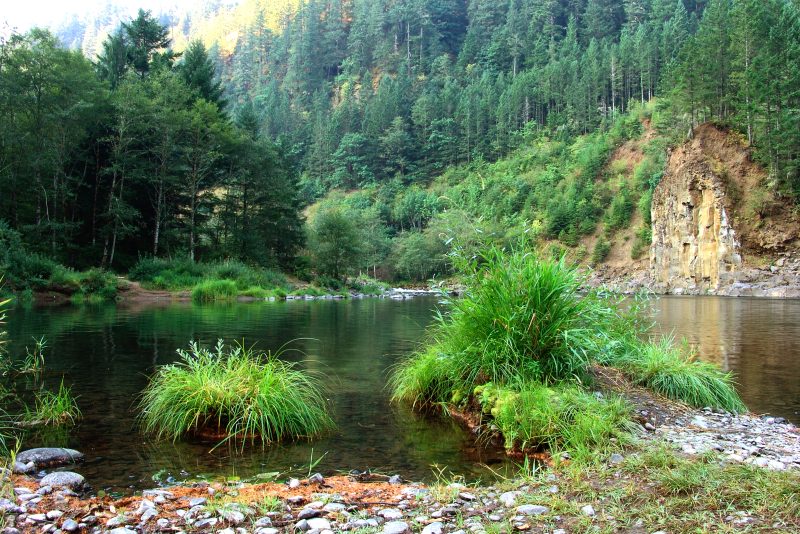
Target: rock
[
  {"x": 268, "y": 530},
  {"x": 162, "y": 523},
  {"x": 308, "y": 513},
  {"x": 263, "y": 522},
  {"x": 588, "y": 510},
  {"x": 22, "y": 490},
  {"x": 25, "y": 497},
  {"x": 52, "y": 515},
  {"x": 319, "y": 523},
  {"x": 434, "y": 528},
  {"x": 70, "y": 525},
  {"x": 466, "y": 496},
  {"x": 301, "y": 525},
  {"x": 206, "y": 523},
  {"x": 396, "y": 527},
  {"x": 390, "y": 514},
  {"x": 148, "y": 514},
  {"x": 197, "y": 501},
  {"x": 334, "y": 507},
  {"x": 616, "y": 459},
  {"x": 296, "y": 499},
  {"x": 293, "y": 483},
  {"x": 122, "y": 530},
  {"x": 532, "y": 509},
  {"x": 37, "y": 518},
  {"x": 395, "y": 479},
  {"x": 50, "y": 457},
  {"x": 116, "y": 521},
  {"x": 316, "y": 478},
  {"x": 509, "y": 498},
  {"x": 234, "y": 517},
  {"x": 63, "y": 479},
  {"x": 227, "y": 531},
  {"x": 24, "y": 469},
  {"x": 44, "y": 490}
]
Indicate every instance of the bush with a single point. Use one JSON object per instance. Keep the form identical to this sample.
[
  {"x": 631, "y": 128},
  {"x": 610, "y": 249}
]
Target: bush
[
  {"x": 523, "y": 319},
  {"x": 234, "y": 392},
  {"x": 419, "y": 256},
  {"x": 211, "y": 290},
  {"x": 600, "y": 252}
]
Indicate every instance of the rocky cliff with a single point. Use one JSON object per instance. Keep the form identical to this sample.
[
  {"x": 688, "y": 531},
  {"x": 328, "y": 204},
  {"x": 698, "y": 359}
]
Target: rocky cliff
[{"x": 717, "y": 227}]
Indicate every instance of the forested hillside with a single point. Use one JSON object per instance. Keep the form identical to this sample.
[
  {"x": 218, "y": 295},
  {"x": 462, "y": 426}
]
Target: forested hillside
[{"x": 397, "y": 129}]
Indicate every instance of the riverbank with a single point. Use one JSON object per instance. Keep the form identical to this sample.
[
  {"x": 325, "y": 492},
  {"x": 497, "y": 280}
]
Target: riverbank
[
  {"x": 648, "y": 487},
  {"x": 684, "y": 469}
]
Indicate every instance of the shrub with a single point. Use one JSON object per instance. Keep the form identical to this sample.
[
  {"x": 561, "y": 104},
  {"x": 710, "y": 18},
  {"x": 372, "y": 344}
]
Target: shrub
[
  {"x": 600, "y": 252},
  {"x": 211, "y": 290},
  {"x": 234, "y": 392},
  {"x": 522, "y": 319}
]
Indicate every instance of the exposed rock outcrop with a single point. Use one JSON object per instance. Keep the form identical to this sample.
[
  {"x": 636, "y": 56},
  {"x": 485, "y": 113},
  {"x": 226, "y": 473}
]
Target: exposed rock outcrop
[{"x": 694, "y": 242}]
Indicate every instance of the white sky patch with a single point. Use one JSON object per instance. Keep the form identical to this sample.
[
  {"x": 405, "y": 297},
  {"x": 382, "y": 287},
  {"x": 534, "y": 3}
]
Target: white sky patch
[{"x": 24, "y": 14}]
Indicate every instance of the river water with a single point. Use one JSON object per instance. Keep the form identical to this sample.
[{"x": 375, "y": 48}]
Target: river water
[{"x": 106, "y": 354}]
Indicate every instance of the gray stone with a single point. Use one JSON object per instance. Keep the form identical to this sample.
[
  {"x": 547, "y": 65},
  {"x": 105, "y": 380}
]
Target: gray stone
[
  {"x": 122, "y": 530},
  {"x": 532, "y": 509},
  {"x": 44, "y": 490},
  {"x": 162, "y": 523},
  {"x": 63, "y": 479},
  {"x": 616, "y": 459},
  {"x": 227, "y": 531},
  {"x": 116, "y": 521},
  {"x": 390, "y": 514},
  {"x": 467, "y": 496},
  {"x": 70, "y": 525},
  {"x": 234, "y": 517},
  {"x": 308, "y": 513},
  {"x": 54, "y": 514},
  {"x": 267, "y": 530},
  {"x": 588, "y": 510},
  {"x": 197, "y": 501},
  {"x": 334, "y": 507},
  {"x": 296, "y": 499},
  {"x": 293, "y": 483},
  {"x": 22, "y": 491},
  {"x": 301, "y": 525},
  {"x": 396, "y": 527},
  {"x": 316, "y": 478},
  {"x": 25, "y": 497},
  {"x": 38, "y": 518},
  {"x": 50, "y": 457},
  {"x": 148, "y": 514},
  {"x": 263, "y": 522},
  {"x": 395, "y": 479},
  {"x": 206, "y": 523},
  {"x": 319, "y": 523},
  {"x": 509, "y": 498},
  {"x": 24, "y": 469}
]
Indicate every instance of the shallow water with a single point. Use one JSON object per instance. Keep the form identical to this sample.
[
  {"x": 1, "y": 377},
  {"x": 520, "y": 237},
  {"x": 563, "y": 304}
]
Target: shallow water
[{"x": 106, "y": 354}]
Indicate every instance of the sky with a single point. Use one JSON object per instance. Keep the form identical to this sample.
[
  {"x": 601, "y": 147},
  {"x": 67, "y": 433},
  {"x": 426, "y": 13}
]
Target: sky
[{"x": 23, "y": 14}]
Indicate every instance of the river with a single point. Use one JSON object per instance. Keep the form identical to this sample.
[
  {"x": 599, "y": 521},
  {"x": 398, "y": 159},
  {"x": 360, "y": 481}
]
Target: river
[{"x": 107, "y": 352}]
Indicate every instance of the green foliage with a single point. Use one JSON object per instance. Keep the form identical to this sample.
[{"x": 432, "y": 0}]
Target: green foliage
[
  {"x": 644, "y": 238},
  {"x": 239, "y": 393},
  {"x": 523, "y": 319},
  {"x": 535, "y": 416},
  {"x": 419, "y": 256},
  {"x": 600, "y": 251},
  {"x": 182, "y": 274},
  {"x": 53, "y": 408},
  {"x": 673, "y": 372},
  {"x": 211, "y": 290}
]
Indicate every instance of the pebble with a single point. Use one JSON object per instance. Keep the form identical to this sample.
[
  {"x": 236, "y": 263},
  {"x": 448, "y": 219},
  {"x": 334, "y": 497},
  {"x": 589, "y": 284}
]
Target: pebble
[
  {"x": 70, "y": 525},
  {"x": 319, "y": 523},
  {"x": 390, "y": 514},
  {"x": 334, "y": 507},
  {"x": 532, "y": 509},
  {"x": 54, "y": 514},
  {"x": 62, "y": 479},
  {"x": 588, "y": 510},
  {"x": 267, "y": 530},
  {"x": 122, "y": 530},
  {"x": 207, "y": 522},
  {"x": 466, "y": 496},
  {"x": 301, "y": 525},
  {"x": 234, "y": 517},
  {"x": 509, "y": 498},
  {"x": 162, "y": 523},
  {"x": 395, "y": 479},
  {"x": 433, "y": 528},
  {"x": 308, "y": 513},
  {"x": 197, "y": 501},
  {"x": 316, "y": 478},
  {"x": 616, "y": 459},
  {"x": 293, "y": 483},
  {"x": 396, "y": 527},
  {"x": 263, "y": 522}
]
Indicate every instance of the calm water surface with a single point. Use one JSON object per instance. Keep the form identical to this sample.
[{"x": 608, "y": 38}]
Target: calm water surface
[{"x": 107, "y": 353}]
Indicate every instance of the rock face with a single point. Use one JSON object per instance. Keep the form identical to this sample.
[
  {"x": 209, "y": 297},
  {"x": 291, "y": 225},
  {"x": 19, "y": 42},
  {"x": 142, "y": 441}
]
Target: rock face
[{"x": 694, "y": 243}]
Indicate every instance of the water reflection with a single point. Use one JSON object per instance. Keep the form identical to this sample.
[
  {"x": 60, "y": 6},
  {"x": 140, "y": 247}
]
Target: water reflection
[{"x": 757, "y": 339}]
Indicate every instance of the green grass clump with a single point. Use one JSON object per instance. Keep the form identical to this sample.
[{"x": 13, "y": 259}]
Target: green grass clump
[
  {"x": 236, "y": 393},
  {"x": 182, "y": 274},
  {"x": 674, "y": 372},
  {"x": 535, "y": 416},
  {"x": 211, "y": 290},
  {"x": 53, "y": 408},
  {"x": 523, "y": 319}
]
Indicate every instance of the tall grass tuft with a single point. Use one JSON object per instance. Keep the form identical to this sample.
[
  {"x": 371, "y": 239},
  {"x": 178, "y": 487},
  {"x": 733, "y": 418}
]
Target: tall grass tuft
[
  {"x": 212, "y": 290},
  {"x": 233, "y": 392},
  {"x": 672, "y": 371},
  {"x": 523, "y": 318},
  {"x": 53, "y": 409}
]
